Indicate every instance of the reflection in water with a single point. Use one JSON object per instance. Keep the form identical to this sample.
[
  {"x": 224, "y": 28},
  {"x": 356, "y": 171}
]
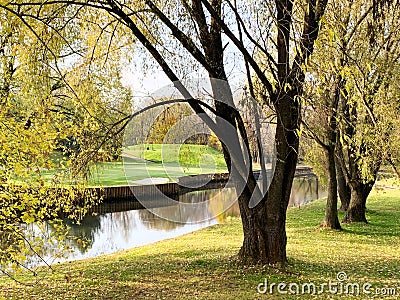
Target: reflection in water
[
  {"x": 121, "y": 230},
  {"x": 305, "y": 189}
]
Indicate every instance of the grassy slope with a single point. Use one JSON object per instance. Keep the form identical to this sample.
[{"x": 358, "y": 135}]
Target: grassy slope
[
  {"x": 201, "y": 265},
  {"x": 184, "y": 154},
  {"x": 165, "y": 161},
  {"x": 116, "y": 173}
]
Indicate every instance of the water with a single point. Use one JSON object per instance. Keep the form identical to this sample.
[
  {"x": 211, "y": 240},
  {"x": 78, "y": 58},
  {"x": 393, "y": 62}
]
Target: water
[{"x": 111, "y": 232}]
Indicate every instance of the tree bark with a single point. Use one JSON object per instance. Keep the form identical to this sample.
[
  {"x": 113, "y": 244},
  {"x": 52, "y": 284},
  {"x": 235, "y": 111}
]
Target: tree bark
[
  {"x": 343, "y": 188},
  {"x": 357, "y": 207},
  {"x": 264, "y": 225},
  {"x": 331, "y": 219}
]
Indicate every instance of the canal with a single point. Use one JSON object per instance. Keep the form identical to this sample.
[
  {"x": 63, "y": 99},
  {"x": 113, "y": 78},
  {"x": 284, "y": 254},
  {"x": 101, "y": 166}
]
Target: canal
[{"x": 119, "y": 230}]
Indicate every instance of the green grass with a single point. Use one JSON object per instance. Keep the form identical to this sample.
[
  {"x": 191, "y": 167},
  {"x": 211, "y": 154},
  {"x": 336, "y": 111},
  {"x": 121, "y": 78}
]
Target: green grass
[
  {"x": 123, "y": 173},
  {"x": 186, "y": 155},
  {"x": 163, "y": 161},
  {"x": 202, "y": 265}
]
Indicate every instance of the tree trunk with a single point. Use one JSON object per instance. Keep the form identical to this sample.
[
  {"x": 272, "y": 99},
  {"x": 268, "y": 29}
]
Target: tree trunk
[
  {"x": 264, "y": 228},
  {"x": 264, "y": 225},
  {"x": 343, "y": 188},
  {"x": 357, "y": 207},
  {"x": 331, "y": 219}
]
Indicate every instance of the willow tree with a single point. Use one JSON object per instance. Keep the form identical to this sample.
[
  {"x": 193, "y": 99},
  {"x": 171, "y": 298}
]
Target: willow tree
[
  {"x": 366, "y": 124},
  {"x": 328, "y": 91},
  {"x": 45, "y": 85},
  {"x": 282, "y": 40},
  {"x": 359, "y": 63}
]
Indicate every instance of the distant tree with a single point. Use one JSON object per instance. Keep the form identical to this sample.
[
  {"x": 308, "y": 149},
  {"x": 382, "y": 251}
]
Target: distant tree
[
  {"x": 353, "y": 81},
  {"x": 172, "y": 125},
  {"x": 367, "y": 124}
]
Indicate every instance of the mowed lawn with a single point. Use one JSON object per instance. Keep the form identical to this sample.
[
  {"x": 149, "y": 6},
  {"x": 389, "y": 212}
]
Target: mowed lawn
[
  {"x": 203, "y": 265},
  {"x": 128, "y": 171},
  {"x": 186, "y": 155},
  {"x": 155, "y": 160}
]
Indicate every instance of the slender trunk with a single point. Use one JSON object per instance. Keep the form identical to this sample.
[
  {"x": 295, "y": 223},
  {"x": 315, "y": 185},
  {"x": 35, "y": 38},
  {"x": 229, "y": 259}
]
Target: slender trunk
[
  {"x": 331, "y": 219},
  {"x": 357, "y": 207},
  {"x": 393, "y": 165},
  {"x": 343, "y": 187}
]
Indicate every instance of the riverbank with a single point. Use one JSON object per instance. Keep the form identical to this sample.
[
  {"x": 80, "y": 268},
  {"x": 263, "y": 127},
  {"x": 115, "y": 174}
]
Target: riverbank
[{"x": 201, "y": 265}]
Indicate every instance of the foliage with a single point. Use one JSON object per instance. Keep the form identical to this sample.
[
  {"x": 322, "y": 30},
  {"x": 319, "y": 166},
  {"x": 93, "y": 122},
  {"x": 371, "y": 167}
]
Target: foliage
[
  {"x": 59, "y": 103},
  {"x": 369, "y": 121},
  {"x": 316, "y": 158},
  {"x": 355, "y": 56},
  {"x": 172, "y": 125}
]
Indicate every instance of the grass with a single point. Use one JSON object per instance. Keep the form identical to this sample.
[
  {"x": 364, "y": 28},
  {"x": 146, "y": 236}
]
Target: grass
[
  {"x": 163, "y": 161},
  {"x": 122, "y": 173},
  {"x": 202, "y": 265},
  {"x": 187, "y": 155}
]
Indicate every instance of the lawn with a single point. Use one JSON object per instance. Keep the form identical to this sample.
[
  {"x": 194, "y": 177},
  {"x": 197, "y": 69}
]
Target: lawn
[
  {"x": 128, "y": 171},
  {"x": 155, "y": 160},
  {"x": 202, "y": 265},
  {"x": 186, "y": 155}
]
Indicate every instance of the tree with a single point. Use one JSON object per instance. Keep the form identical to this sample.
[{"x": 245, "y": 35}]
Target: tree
[
  {"x": 199, "y": 29},
  {"x": 173, "y": 125},
  {"x": 326, "y": 93},
  {"x": 364, "y": 129},
  {"x": 358, "y": 52},
  {"x": 45, "y": 85}
]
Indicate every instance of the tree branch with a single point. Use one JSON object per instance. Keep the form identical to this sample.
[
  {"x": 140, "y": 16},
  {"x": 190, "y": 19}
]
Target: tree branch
[
  {"x": 241, "y": 48},
  {"x": 186, "y": 42}
]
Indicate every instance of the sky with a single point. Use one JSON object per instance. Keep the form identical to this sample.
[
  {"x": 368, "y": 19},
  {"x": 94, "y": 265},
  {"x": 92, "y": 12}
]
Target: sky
[{"x": 143, "y": 83}]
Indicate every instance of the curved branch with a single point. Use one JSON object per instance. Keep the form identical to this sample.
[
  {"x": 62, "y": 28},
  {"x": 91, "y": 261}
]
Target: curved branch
[{"x": 172, "y": 101}]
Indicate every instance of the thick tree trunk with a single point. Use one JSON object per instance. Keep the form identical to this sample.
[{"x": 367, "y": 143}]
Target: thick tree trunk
[
  {"x": 343, "y": 188},
  {"x": 264, "y": 225},
  {"x": 263, "y": 242},
  {"x": 331, "y": 219},
  {"x": 357, "y": 207}
]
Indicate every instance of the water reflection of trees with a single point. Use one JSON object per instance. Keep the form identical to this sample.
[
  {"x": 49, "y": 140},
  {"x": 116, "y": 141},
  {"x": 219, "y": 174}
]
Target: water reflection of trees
[
  {"x": 193, "y": 207},
  {"x": 84, "y": 231},
  {"x": 224, "y": 204},
  {"x": 154, "y": 222},
  {"x": 91, "y": 227},
  {"x": 304, "y": 190},
  {"x": 124, "y": 220}
]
